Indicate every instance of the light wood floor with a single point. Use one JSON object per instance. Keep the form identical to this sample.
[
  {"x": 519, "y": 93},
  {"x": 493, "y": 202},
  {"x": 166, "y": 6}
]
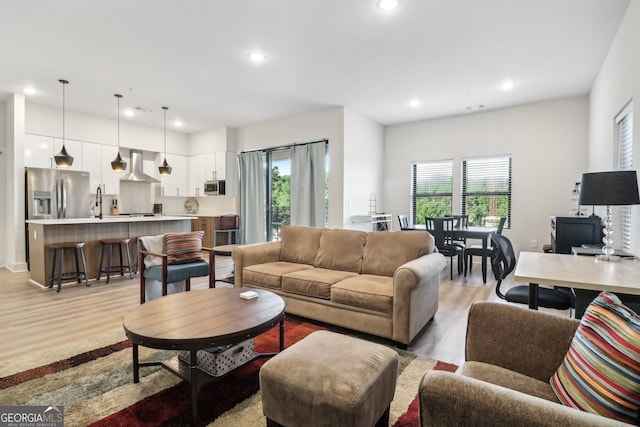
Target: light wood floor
[{"x": 37, "y": 324}]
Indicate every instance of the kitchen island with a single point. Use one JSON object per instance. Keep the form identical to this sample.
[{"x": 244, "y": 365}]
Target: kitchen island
[{"x": 44, "y": 232}]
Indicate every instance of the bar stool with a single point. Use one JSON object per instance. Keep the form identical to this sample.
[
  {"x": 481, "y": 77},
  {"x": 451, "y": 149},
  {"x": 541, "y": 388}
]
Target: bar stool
[
  {"x": 107, "y": 244},
  {"x": 58, "y": 250}
]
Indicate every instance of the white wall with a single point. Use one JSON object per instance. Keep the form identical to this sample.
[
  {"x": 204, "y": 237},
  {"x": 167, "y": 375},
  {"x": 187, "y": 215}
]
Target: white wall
[
  {"x": 210, "y": 141},
  {"x": 547, "y": 141},
  {"x": 326, "y": 124},
  {"x": 363, "y": 165},
  {"x": 42, "y": 120},
  {"x": 617, "y": 83}
]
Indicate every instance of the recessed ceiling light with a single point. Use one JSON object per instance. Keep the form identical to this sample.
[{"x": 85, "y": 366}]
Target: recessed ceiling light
[
  {"x": 177, "y": 124},
  {"x": 29, "y": 90},
  {"x": 388, "y": 4},
  {"x": 507, "y": 85},
  {"x": 256, "y": 57},
  {"x": 128, "y": 112},
  {"x": 414, "y": 103}
]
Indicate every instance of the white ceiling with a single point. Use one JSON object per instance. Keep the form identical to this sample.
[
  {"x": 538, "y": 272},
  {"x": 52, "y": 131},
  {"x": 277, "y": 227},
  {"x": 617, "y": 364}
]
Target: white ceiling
[{"x": 191, "y": 55}]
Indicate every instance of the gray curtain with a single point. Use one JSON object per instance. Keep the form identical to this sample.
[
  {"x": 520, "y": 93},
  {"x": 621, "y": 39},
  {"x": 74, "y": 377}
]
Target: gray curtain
[
  {"x": 308, "y": 176},
  {"x": 252, "y": 197}
]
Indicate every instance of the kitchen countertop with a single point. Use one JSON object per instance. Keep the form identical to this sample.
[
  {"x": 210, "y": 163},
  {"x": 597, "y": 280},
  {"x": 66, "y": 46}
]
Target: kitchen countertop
[{"x": 109, "y": 219}]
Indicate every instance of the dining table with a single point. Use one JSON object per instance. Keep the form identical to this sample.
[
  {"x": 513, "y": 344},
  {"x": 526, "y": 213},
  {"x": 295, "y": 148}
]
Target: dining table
[{"x": 469, "y": 232}]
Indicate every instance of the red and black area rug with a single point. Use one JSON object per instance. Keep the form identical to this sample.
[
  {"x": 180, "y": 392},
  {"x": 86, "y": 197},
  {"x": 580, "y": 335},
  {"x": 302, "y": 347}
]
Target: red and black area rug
[{"x": 96, "y": 388}]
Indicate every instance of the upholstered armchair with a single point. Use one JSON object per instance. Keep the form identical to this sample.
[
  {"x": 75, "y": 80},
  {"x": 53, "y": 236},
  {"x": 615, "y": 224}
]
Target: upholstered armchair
[
  {"x": 511, "y": 353},
  {"x": 169, "y": 262}
]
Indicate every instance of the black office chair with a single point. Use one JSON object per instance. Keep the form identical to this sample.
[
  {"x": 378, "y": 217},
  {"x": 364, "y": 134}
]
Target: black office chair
[
  {"x": 503, "y": 261},
  {"x": 441, "y": 229},
  {"x": 476, "y": 250},
  {"x": 404, "y": 222}
]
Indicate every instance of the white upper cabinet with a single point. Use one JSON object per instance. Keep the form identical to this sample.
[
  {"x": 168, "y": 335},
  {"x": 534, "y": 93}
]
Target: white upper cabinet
[
  {"x": 96, "y": 159},
  {"x": 176, "y": 183},
  {"x": 38, "y": 151}
]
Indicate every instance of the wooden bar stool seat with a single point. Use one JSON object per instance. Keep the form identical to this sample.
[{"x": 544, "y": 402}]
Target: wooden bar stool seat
[
  {"x": 108, "y": 244},
  {"x": 58, "y": 255}
]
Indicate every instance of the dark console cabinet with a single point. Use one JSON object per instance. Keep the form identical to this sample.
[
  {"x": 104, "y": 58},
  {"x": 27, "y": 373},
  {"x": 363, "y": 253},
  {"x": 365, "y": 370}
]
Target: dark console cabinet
[{"x": 567, "y": 231}]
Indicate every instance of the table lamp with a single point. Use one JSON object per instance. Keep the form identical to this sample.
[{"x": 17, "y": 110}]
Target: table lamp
[{"x": 609, "y": 189}]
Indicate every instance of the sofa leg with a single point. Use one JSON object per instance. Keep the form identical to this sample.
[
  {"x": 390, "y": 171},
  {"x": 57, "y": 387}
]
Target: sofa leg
[
  {"x": 384, "y": 419},
  {"x": 271, "y": 423}
]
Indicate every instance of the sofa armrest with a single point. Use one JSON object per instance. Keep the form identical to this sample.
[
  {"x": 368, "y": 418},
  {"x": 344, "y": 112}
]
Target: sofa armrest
[
  {"x": 416, "y": 290},
  {"x": 517, "y": 338},
  {"x": 258, "y": 253},
  {"x": 448, "y": 399}
]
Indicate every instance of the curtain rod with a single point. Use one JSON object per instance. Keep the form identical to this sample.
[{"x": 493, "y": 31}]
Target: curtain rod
[{"x": 284, "y": 147}]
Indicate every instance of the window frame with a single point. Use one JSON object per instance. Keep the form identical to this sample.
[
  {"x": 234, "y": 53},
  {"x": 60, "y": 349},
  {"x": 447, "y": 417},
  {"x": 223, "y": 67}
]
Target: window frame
[
  {"x": 464, "y": 177},
  {"x": 624, "y": 147},
  {"x": 432, "y": 167}
]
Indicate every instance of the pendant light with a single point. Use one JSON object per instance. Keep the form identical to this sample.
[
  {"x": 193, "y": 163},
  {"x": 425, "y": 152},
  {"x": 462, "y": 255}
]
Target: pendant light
[
  {"x": 165, "y": 169},
  {"x": 118, "y": 164},
  {"x": 63, "y": 159}
]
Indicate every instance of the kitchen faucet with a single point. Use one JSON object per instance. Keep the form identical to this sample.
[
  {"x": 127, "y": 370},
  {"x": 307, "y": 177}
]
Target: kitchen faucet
[{"x": 99, "y": 200}]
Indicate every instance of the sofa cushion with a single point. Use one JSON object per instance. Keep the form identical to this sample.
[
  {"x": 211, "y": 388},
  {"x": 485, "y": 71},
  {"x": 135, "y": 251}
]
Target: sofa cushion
[
  {"x": 601, "y": 371},
  {"x": 507, "y": 378},
  {"x": 341, "y": 250},
  {"x": 365, "y": 291},
  {"x": 178, "y": 272},
  {"x": 385, "y": 251},
  {"x": 299, "y": 244},
  {"x": 313, "y": 282},
  {"x": 183, "y": 248},
  {"x": 269, "y": 274}
]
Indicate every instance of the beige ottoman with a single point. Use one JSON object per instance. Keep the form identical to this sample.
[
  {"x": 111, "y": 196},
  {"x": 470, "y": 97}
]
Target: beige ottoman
[{"x": 329, "y": 379}]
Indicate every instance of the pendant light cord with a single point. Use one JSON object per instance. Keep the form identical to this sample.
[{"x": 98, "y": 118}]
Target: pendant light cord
[{"x": 165, "y": 131}]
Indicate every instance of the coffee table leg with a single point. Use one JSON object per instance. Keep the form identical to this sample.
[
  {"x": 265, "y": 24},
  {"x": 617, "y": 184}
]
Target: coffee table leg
[
  {"x": 136, "y": 365},
  {"x": 193, "y": 379},
  {"x": 282, "y": 334}
]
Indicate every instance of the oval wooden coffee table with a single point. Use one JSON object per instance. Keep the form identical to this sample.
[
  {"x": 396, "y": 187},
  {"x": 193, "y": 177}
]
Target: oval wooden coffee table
[{"x": 201, "y": 319}]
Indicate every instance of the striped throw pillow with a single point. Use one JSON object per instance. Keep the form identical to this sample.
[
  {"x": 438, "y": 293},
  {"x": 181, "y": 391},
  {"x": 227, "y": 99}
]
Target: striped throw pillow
[
  {"x": 182, "y": 248},
  {"x": 601, "y": 371}
]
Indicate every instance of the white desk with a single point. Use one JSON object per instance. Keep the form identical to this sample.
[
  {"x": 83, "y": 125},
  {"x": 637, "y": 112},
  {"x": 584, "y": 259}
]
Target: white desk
[{"x": 578, "y": 272}]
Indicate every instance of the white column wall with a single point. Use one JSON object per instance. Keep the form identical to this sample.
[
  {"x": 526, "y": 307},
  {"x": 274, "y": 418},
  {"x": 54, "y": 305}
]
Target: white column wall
[
  {"x": 548, "y": 144},
  {"x": 4, "y": 171},
  {"x": 14, "y": 233},
  {"x": 364, "y": 165},
  {"x": 617, "y": 84}
]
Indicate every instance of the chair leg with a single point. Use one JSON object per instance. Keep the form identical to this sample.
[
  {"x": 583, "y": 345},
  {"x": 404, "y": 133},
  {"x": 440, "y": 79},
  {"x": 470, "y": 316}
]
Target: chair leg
[
  {"x": 129, "y": 260},
  {"x": 451, "y": 268},
  {"x": 61, "y": 265},
  {"x": 121, "y": 265},
  {"x": 75, "y": 257},
  {"x": 53, "y": 268},
  {"x": 84, "y": 267}
]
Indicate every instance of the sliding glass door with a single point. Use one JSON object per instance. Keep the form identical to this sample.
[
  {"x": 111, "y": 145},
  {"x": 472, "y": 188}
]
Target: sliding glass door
[{"x": 278, "y": 192}]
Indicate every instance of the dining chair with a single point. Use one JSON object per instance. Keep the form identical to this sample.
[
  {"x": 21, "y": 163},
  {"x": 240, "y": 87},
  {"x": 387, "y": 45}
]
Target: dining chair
[
  {"x": 460, "y": 221},
  {"x": 503, "y": 261},
  {"x": 476, "y": 250},
  {"x": 441, "y": 229},
  {"x": 404, "y": 222}
]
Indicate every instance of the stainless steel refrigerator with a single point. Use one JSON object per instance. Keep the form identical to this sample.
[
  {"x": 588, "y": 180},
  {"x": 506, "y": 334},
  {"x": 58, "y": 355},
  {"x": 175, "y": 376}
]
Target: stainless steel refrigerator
[
  {"x": 53, "y": 194},
  {"x": 57, "y": 193}
]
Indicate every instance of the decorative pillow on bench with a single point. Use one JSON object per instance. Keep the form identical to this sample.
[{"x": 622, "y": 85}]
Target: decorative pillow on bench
[
  {"x": 601, "y": 371},
  {"x": 182, "y": 248}
]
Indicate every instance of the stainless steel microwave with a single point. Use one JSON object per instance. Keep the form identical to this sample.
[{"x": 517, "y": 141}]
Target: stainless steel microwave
[{"x": 214, "y": 188}]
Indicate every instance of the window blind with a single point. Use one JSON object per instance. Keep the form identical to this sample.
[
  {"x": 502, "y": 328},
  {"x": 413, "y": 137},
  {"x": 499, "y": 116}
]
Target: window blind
[
  {"x": 486, "y": 189},
  {"x": 432, "y": 189},
  {"x": 624, "y": 128}
]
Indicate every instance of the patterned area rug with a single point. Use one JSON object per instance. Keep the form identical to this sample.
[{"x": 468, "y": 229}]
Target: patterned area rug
[{"x": 96, "y": 388}]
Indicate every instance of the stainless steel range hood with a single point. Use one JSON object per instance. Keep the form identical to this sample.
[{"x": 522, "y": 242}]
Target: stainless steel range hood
[{"x": 135, "y": 169}]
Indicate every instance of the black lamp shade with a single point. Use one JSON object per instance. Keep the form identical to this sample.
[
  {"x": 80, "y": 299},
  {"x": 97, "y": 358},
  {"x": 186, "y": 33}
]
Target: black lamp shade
[
  {"x": 63, "y": 159},
  {"x": 118, "y": 164},
  {"x": 609, "y": 188}
]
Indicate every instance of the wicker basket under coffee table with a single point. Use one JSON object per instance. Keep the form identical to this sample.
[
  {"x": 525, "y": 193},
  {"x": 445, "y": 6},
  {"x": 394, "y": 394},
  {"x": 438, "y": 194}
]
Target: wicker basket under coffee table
[{"x": 198, "y": 320}]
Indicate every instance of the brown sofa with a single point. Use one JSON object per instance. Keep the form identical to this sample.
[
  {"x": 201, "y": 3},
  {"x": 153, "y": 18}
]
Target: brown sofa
[
  {"x": 381, "y": 283},
  {"x": 511, "y": 353}
]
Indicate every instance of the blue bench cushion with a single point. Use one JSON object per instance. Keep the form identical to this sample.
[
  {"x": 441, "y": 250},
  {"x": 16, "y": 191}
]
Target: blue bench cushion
[{"x": 178, "y": 272}]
